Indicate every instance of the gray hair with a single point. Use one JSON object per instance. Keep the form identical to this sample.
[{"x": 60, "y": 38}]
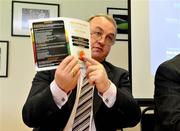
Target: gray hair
[{"x": 106, "y": 16}]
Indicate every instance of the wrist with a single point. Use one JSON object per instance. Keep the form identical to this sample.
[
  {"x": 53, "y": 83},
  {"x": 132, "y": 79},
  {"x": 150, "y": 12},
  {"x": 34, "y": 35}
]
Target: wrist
[
  {"x": 61, "y": 87},
  {"x": 106, "y": 87},
  {"x": 66, "y": 91}
]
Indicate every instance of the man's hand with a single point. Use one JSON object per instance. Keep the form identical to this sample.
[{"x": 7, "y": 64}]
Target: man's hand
[
  {"x": 96, "y": 74},
  {"x": 67, "y": 73}
]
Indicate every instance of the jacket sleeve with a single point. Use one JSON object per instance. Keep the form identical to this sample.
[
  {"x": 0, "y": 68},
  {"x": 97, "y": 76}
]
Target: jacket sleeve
[
  {"x": 40, "y": 107},
  {"x": 128, "y": 111},
  {"x": 125, "y": 112}
]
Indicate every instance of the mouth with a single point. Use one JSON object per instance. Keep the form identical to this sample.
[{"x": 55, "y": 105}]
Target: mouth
[{"x": 97, "y": 49}]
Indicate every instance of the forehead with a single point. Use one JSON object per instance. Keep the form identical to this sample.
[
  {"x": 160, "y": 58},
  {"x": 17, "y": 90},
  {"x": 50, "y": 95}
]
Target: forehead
[{"x": 103, "y": 23}]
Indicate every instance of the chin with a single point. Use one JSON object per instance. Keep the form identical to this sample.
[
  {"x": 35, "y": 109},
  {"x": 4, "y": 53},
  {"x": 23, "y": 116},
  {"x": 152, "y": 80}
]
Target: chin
[
  {"x": 95, "y": 54},
  {"x": 97, "y": 57}
]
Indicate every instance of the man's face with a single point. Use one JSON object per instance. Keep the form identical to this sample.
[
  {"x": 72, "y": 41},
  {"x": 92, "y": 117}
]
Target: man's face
[{"x": 102, "y": 37}]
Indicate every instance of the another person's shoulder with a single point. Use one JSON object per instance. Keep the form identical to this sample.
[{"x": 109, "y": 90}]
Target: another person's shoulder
[
  {"x": 169, "y": 68},
  {"x": 173, "y": 63}
]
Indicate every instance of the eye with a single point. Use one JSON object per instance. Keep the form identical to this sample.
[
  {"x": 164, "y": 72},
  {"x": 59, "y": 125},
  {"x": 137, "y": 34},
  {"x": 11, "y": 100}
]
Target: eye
[
  {"x": 110, "y": 38},
  {"x": 98, "y": 33}
]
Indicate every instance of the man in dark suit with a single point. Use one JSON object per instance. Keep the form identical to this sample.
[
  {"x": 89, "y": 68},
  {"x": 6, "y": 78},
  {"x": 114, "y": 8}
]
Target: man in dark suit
[
  {"x": 167, "y": 95},
  {"x": 51, "y": 99}
]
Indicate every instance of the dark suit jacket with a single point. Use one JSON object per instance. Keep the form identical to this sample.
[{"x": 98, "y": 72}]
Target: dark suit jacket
[
  {"x": 167, "y": 95},
  {"x": 41, "y": 112}
]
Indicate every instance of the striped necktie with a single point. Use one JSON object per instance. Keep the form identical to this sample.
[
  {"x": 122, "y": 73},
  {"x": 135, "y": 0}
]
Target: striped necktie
[{"x": 83, "y": 116}]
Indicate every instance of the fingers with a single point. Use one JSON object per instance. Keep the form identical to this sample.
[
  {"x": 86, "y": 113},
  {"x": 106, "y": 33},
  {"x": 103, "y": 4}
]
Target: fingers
[
  {"x": 75, "y": 71},
  {"x": 72, "y": 65},
  {"x": 66, "y": 61},
  {"x": 90, "y": 60},
  {"x": 91, "y": 65},
  {"x": 91, "y": 69},
  {"x": 69, "y": 63},
  {"x": 92, "y": 77}
]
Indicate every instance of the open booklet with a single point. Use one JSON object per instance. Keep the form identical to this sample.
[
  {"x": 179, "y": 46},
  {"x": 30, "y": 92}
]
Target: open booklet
[{"x": 55, "y": 38}]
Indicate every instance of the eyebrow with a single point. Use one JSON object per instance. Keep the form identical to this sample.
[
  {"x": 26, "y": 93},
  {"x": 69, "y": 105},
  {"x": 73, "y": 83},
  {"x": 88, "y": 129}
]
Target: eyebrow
[{"x": 103, "y": 31}]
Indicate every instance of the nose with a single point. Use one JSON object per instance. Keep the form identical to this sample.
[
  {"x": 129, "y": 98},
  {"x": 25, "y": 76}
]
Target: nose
[{"x": 102, "y": 40}]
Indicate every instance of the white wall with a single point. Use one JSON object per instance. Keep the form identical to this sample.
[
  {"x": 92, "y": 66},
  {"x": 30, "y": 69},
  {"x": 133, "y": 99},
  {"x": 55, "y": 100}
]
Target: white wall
[
  {"x": 15, "y": 88},
  {"x": 143, "y": 80}
]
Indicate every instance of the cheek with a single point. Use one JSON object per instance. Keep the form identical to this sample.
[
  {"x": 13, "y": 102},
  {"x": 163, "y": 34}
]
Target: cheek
[
  {"x": 92, "y": 42},
  {"x": 107, "y": 50}
]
